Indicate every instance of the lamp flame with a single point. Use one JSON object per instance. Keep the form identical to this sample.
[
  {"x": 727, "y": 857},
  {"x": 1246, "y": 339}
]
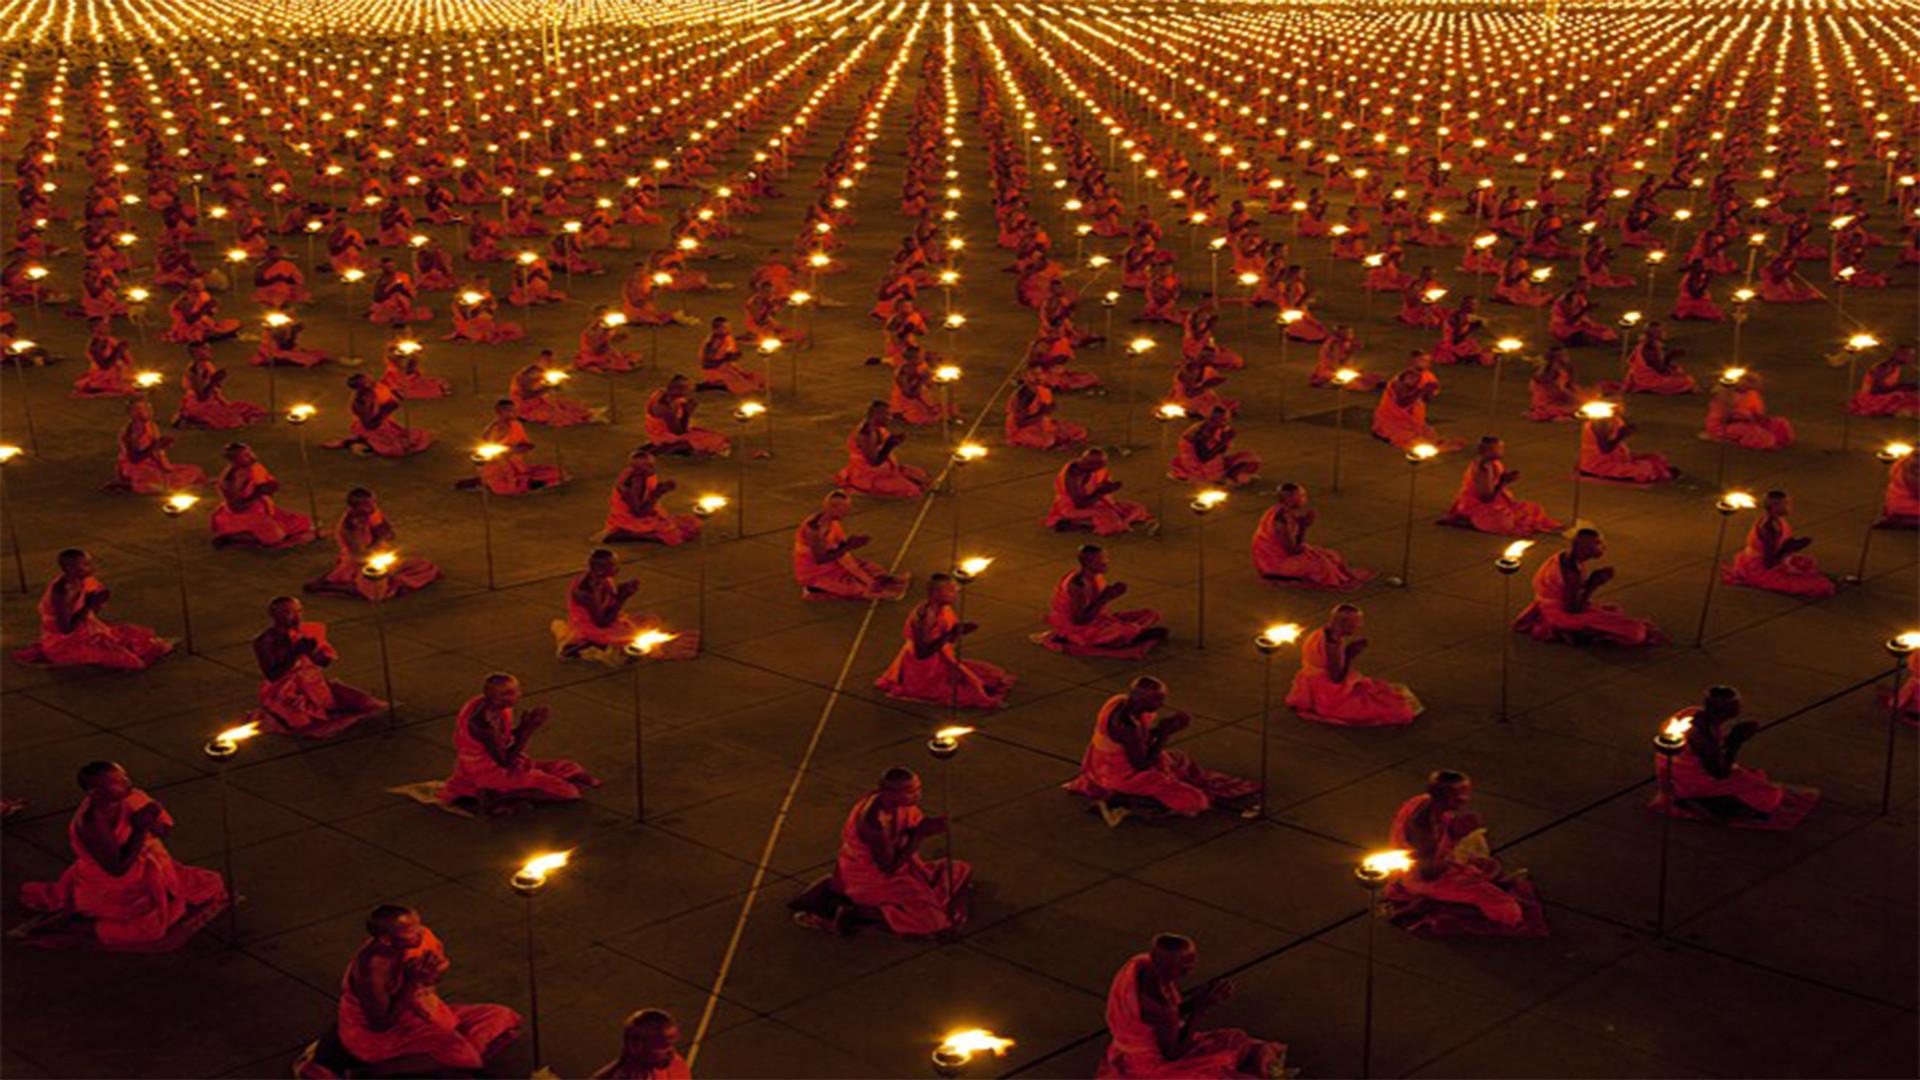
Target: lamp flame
[
  {"x": 962, "y": 1045},
  {"x": 975, "y": 566},
  {"x": 1515, "y": 550},
  {"x": 1381, "y": 864}
]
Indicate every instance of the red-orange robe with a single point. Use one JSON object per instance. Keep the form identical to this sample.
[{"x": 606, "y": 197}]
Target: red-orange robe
[
  {"x": 1794, "y": 575},
  {"x": 848, "y": 577},
  {"x": 1547, "y": 619},
  {"x": 942, "y": 678},
  {"x": 1468, "y": 898},
  {"x": 1502, "y": 515},
  {"x": 1106, "y": 515},
  {"x": 1173, "y": 779},
  {"x": 453, "y": 1036},
  {"x": 138, "y": 907},
  {"x": 1312, "y": 566},
  {"x": 93, "y": 641},
  {"x": 1113, "y": 634},
  {"x": 918, "y": 898},
  {"x": 1134, "y": 1052},
  {"x": 1356, "y": 701},
  {"x": 305, "y": 702},
  {"x": 476, "y": 773},
  {"x": 262, "y": 522}
]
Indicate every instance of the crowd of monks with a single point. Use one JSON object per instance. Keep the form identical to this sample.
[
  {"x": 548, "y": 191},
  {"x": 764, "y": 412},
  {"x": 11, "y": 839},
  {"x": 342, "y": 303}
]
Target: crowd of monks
[{"x": 142, "y": 162}]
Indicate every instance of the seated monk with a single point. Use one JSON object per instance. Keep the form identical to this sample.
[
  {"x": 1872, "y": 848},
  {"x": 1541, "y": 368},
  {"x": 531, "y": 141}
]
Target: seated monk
[
  {"x": 1401, "y": 416},
  {"x": 1737, "y": 414},
  {"x": 1455, "y": 886},
  {"x": 475, "y": 318},
  {"x": 1206, "y": 454},
  {"x": 1328, "y": 688},
  {"x": 534, "y": 392},
  {"x": 1032, "y": 421},
  {"x": 402, "y": 373},
  {"x": 1888, "y": 388},
  {"x": 670, "y": 427},
  {"x": 362, "y": 532},
  {"x": 393, "y": 298},
  {"x": 1282, "y": 554},
  {"x": 492, "y": 771},
  {"x": 123, "y": 883},
  {"x": 509, "y": 472},
  {"x": 1154, "y": 1027},
  {"x": 1079, "y": 623},
  {"x": 600, "y": 340},
  {"x": 647, "y": 1050},
  {"x": 1604, "y": 454},
  {"x": 203, "y": 404},
  {"x": 247, "y": 513},
  {"x": 1083, "y": 498},
  {"x": 1127, "y": 760},
  {"x": 1563, "y": 608},
  {"x": 1571, "y": 320},
  {"x": 1484, "y": 502},
  {"x": 928, "y": 666},
  {"x": 1771, "y": 559},
  {"x": 278, "y": 282},
  {"x": 109, "y": 365},
  {"x": 879, "y": 867},
  {"x": 1702, "y": 782},
  {"x": 72, "y": 633},
  {"x": 597, "y": 629},
  {"x": 280, "y": 344},
  {"x": 297, "y": 698},
  {"x": 391, "y": 1016},
  {"x": 196, "y": 317},
  {"x": 871, "y": 468},
  {"x": 1900, "y": 506},
  {"x": 824, "y": 562},
  {"x": 142, "y": 467},
  {"x": 633, "y": 507},
  {"x": 1552, "y": 392},
  {"x": 1653, "y": 367},
  {"x": 375, "y": 430},
  {"x": 720, "y": 363}
]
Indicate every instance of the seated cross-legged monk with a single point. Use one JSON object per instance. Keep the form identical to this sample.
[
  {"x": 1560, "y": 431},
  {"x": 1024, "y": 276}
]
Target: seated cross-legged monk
[
  {"x": 392, "y": 1018},
  {"x": 648, "y": 1050},
  {"x": 1485, "y": 502},
  {"x": 1206, "y": 454},
  {"x": 824, "y": 562},
  {"x": 509, "y": 472},
  {"x": 247, "y": 513},
  {"x": 597, "y": 629},
  {"x": 872, "y": 468},
  {"x": 296, "y": 697},
  {"x": 880, "y": 869},
  {"x": 1080, "y": 624},
  {"x": 492, "y": 769},
  {"x": 362, "y": 532},
  {"x": 377, "y": 426},
  {"x": 1771, "y": 559},
  {"x": 634, "y": 512},
  {"x": 1900, "y": 504},
  {"x": 143, "y": 467},
  {"x": 1563, "y": 608},
  {"x": 1127, "y": 762},
  {"x": 1455, "y": 886},
  {"x": 72, "y": 633},
  {"x": 1708, "y": 784},
  {"x": 129, "y": 891},
  {"x": 1084, "y": 498},
  {"x": 670, "y": 427},
  {"x": 928, "y": 666},
  {"x": 1329, "y": 690},
  {"x": 1604, "y": 454},
  {"x": 1282, "y": 554},
  {"x": 1156, "y": 1031}
]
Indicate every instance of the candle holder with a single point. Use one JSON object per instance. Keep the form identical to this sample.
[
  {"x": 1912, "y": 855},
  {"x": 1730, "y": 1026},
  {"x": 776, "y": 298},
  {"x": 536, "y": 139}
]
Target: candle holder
[
  {"x": 1899, "y": 647},
  {"x": 1202, "y": 505},
  {"x": 1268, "y": 642},
  {"x": 175, "y": 506}
]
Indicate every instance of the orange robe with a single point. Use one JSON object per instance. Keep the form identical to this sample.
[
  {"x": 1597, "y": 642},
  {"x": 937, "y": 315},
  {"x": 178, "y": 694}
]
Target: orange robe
[
  {"x": 699, "y": 440},
  {"x": 1900, "y": 506},
  {"x": 918, "y": 897},
  {"x": 581, "y": 629},
  {"x": 1643, "y": 378},
  {"x": 1172, "y": 779},
  {"x": 354, "y": 541},
  {"x": 942, "y": 678},
  {"x": 889, "y": 480},
  {"x": 848, "y": 577},
  {"x": 510, "y": 473},
  {"x": 1405, "y": 425},
  {"x": 453, "y": 1036},
  {"x": 1356, "y": 701},
  {"x": 1502, "y": 515},
  {"x": 656, "y": 524},
  {"x": 1469, "y": 897},
  {"x": 1113, "y": 634},
  {"x": 1690, "y": 779},
  {"x": 1106, "y": 515},
  {"x": 1312, "y": 566},
  {"x": 1794, "y": 575},
  {"x": 139, "y": 907},
  {"x": 143, "y": 468},
  {"x": 93, "y": 641},
  {"x": 1739, "y": 416},
  {"x": 1620, "y": 464},
  {"x": 304, "y": 702},
  {"x": 262, "y": 522},
  {"x": 476, "y": 773},
  {"x": 1135, "y": 1051},
  {"x": 1547, "y": 618}
]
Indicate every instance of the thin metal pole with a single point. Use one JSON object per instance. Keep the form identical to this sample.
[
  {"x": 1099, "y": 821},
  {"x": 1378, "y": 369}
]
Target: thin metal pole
[
  {"x": 180, "y": 565},
  {"x": 533, "y": 984},
  {"x": 1713, "y": 575},
  {"x": 639, "y": 751},
  {"x": 1366, "y": 1023},
  {"x": 486, "y": 527},
  {"x": 1893, "y": 734},
  {"x": 226, "y": 855},
  {"x": 13, "y": 534}
]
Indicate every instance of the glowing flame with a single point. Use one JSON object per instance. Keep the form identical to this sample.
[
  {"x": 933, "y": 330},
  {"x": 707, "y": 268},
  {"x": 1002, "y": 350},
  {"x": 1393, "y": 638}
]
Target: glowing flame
[
  {"x": 554, "y": 376},
  {"x": 612, "y": 319},
  {"x": 470, "y": 297},
  {"x": 962, "y": 1045},
  {"x": 1280, "y": 634},
  {"x": 301, "y": 413},
  {"x": 946, "y": 373},
  {"x": 1171, "y": 411},
  {"x": 1733, "y": 375},
  {"x": 1210, "y": 498},
  {"x": 749, "y": 409},
  {"x": 799, "y": 297},
  {"x": 147, "y": 380},
  {"x": 1515, "y": 550},
  {"x": 1383, "y": 863},
  {"x": 535, "y": 870},
  {"x": 1423, "y": 451},
  {"x": 975, "y": 566},
  {"x": 277, "y": 319},
  {"x": 1674, "y": 731},
  {"x": 488, "y": 451},
  {"x": 1859, "y": 342},
  {"x": 1433, "y": 295},
  {"x": 1597, "y": 410},
  {"x": 1908, "y": 641},
  {"x": 234, "y": 735},
  {"x": 1631, "y": 318},
  {"x": 769, "y": 345},
  {"x": 1738, "y": 500},
  {"x": 1346, "y": 375},
  {"x": 1895, "y": 450},
  {"x": 955, "y": 320},
  {"x": 969, "y": 451},
  {"x": 950, "y": 733},
  {"x": 378, "y": 565},
  {"x": 352, "y": 276},
  {"x": 406, "y": 346},
  {"x": 1509, "y": 344},
  {"x": 711, "y": 503},
  {"x": 8, "y": 452},
  {"x": 1292, "y": 315},
  {"x": 181, "y": 502},
  {"x": 646, "y": 641},
  {"x": 1140, "y": 344}
]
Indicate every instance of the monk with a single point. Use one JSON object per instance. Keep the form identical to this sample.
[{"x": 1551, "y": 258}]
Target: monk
[
  {"x": 492, "y": 770},
  {"x": 1888, "y": 388},
  {"x": 1900, "y": 506},
  {"x": 391, "y": 1015},
  {"x": 879, "y": 867},
  {"x": 402, "y": 373},
  {"x": 1401, "y": 416},
  {"x": 362, "y": 532},
  {"x": 824, "y": 562},
  {"x": 1707, "y": 784},
  {"x": 1080, "y": 624},
  {"x": 1032, "y": 419},
  {"x": 1552, "y": 392},
  {"x": 1206, "y": 454},
  {"x": 1771, "y": 559},
  {"x": 1484, "y": 502},
  {"x": 928, "y": 667},
  {"x": 871, "y": 468},
  {"x": 123, "y": 883},
  {"x": 1084, "y": 498},
  {"x": 720, "y": 363},
  {"x": 1738, "y": 414},
  {"x": 143, "y": 467},
  {"x": 648, "y": 1050},
  {"x": 670, "y": 427},
  {"x": 297, "y": 698},
  {"x": 1456, "y": 886},
  {"x": 1282, "y": 554},
  {"x": 1127, "y": 763},
  {"x": 1329, "y": 690},
  {"x": 1653, "y": 367},
  {"x": 72, "y": 633},
  {"x": 534, "y": 392},
  {"x": 596, "y": 627},
  {"x": 510, "y": 473},
  {"x": 634, "y": 512},
  {"x": 1154, "y": 1026},
  {"x": 247, "y": 513},
  {"x": 375, "y": 429},
  {"x": 1563, "y": 608},
  {"x": 196, "y": 317},
  {"x": 1604, "y": 454},
  {"x": 203, "y": 402}
]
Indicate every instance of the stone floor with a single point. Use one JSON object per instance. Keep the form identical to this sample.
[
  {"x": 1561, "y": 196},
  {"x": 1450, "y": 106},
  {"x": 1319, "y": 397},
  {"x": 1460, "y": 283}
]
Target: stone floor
[{"x": 1787, "y": 955}]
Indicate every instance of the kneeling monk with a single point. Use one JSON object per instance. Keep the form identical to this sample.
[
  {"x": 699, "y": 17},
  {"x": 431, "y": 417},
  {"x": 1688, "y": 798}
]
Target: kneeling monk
[
  {"x": 871, "y": 466},
  {"x": 1153, "y": 1026},
  {"x": 1127, "y": 759},
  {"x": 1455, "y": 886},
  {"x": 1563, "y": 608},
  {"x": 72, "y": 633},
  {"x": 122, "y": 879},
  {"x": 880, "y": 867},
  {"x": 391, "y": 1014},
  {"x": 1328, "y": 689},
  {"x": 491, "y": 766},
  {"x": 1079, "y": 623},
  {"x": 1704, "y": 783},
  {"x": 928, "y": 666},
  {"x": 363, "y": 532},
  {"x": 1281, "y": 552},
  {"x": 297, "y": 698},
  {"x": 824, "y": 562}
]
